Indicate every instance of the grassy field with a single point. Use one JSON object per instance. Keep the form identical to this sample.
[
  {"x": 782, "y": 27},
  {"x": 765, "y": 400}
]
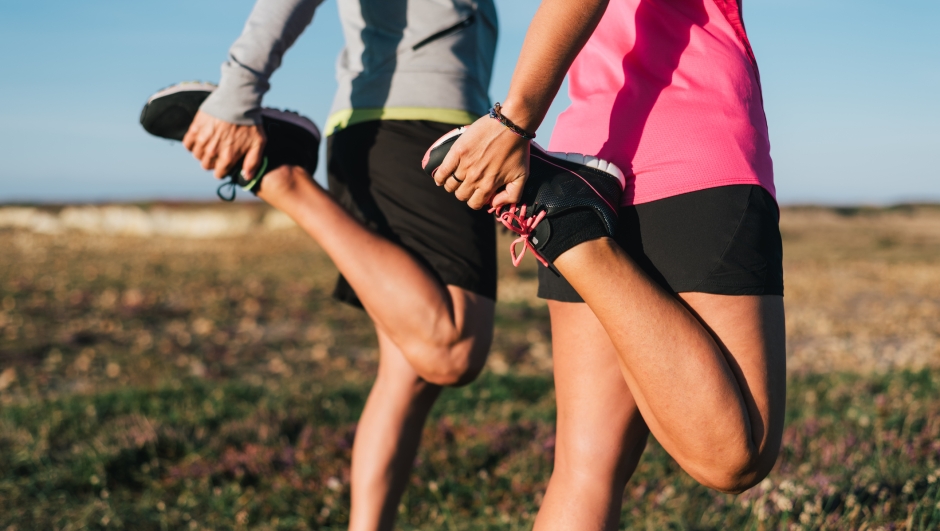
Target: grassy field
[{"x": 175, "y": 383}]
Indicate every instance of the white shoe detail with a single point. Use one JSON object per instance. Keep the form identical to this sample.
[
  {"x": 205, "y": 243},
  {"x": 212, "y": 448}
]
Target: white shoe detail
[
  {"x": 448, "y": 136},
  {"x": 589, "y": 161},
  {"x": 186, "y": 86}
]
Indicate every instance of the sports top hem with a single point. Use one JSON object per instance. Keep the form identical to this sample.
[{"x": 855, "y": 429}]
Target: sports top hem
[{"x": 347, "y": 117}]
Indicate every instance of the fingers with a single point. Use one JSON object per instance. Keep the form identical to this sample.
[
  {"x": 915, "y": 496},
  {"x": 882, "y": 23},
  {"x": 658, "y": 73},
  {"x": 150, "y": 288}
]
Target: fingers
[
  {"x": 467, "y": 188},
  {"x": 478, "y": 200},
  {"x": 196, "y": 136},
  {"x": 452, "y": 183},
  {"x": 512, "y": 193},
  {"x": 193, "y": 133},
  {"x": 189, "y": 140},
  {"x": 463, "y": 187},
  {"x": 484, "y": 190},
  {"x": 195, "y": 142},
  {"x": 219, "y": 145},
  {"x": 223, "y": 164},
  {"x": 475, "y": 190},
  {"x": 210, "y": 152},
  {"x": 447, "y": 168},
  {"x": 253, "y": 157},
  {"x": 201, "y": 142}
]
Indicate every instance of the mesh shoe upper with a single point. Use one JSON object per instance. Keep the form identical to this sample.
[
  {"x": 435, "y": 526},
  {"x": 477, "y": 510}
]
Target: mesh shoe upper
[{"x": 562, "y": 181}]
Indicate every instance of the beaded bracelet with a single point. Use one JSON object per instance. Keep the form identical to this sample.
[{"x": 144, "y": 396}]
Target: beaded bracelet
[{"x": 497, "y": 114}]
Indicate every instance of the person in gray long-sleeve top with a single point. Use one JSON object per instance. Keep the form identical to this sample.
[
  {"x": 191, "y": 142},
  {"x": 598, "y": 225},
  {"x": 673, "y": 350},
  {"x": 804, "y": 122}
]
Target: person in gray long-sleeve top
[{"x": 420, "y": 262}]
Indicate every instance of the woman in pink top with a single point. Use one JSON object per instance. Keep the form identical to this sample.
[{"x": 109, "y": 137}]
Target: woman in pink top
[{"x": 667, "y": 313}]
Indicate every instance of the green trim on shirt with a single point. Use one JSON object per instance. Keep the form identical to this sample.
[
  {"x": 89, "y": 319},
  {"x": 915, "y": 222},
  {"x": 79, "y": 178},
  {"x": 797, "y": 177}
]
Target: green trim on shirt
[{"x": 346, "y": 117}]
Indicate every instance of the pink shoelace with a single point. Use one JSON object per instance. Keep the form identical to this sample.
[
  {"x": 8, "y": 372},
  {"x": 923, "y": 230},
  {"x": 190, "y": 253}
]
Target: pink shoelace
[{"x": 514, "y": 219}]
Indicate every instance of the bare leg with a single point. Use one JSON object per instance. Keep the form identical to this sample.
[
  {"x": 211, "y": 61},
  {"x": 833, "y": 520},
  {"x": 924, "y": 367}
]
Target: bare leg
[
  {"x": 600, "y": 434},
  {"x": 429, "y": 335},
  {"x": 387, "y": 439},
  {"x": 707, "y": 371},
  {"x": 443, "y": 331}
]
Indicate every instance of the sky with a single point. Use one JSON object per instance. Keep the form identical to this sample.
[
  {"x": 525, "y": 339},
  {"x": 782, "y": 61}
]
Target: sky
[{"x": 851, "y": 89}]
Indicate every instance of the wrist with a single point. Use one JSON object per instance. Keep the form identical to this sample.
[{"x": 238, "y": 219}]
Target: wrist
[
  {"x": 496, "y": 113},
  {"x": 522, "y": 113}
]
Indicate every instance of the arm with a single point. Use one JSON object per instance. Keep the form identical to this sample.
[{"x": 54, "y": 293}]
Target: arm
[
  {"x": 227, "y": 126},
  {"x": 488, "y": 156}
]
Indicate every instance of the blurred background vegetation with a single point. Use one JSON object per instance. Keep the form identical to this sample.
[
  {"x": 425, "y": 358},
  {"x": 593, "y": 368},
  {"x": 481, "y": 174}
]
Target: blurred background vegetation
[{"x": 183, "y": 367}]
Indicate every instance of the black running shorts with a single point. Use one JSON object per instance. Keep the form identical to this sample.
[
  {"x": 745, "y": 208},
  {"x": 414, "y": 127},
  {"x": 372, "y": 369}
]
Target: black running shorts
[
  {"x": 723, "y": 240},
  {"x": 374, "y": 171}
]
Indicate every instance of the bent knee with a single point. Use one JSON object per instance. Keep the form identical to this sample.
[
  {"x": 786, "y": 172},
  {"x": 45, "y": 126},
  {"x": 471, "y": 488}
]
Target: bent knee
[
  {"x": 737, "y": 476},
  {"x": 453, "y": 365},
  {"x": 455, "y": 372}
]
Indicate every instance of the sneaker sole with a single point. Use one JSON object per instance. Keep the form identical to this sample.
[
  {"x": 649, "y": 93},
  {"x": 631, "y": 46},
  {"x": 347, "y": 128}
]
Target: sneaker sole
[{"x": 169, "y": 112}]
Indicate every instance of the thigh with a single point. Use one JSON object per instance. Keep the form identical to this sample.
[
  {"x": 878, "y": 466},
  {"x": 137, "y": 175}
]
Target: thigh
[
  {"x": 723, "y": 240},
  {"x": 599, "y": 428},
  {"x": 751, "y": 332}
]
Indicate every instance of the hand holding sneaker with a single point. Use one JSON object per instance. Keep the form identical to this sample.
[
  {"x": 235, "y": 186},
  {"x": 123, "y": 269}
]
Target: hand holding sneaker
[
  {"x": 219, "y": 145},
  {"x": 566, "y": 198},
  {"x": 487, "y": 165},
  {"x": 498, "y": 157},
  {"x": 242, "y": 153}
]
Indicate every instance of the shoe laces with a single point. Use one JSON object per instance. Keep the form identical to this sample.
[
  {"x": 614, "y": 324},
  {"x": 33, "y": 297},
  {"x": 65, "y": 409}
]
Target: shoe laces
[
  {"x": 514, "y": 218},
  {"x": 230, "y": 186}
]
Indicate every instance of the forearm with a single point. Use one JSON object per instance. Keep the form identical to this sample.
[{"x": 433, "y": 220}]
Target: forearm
[
  {"x": 271, "y": 29},
  {"x": 556, "y": 35}
]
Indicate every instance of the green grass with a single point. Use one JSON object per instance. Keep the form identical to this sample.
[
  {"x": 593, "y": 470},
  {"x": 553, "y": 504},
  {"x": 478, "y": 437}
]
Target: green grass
[
  {"x": 220, "y": 455},
  {"x": 211, "y": 384}
]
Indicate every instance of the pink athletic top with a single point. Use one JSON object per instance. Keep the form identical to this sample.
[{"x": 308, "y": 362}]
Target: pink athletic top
[{"x": 668, "y": 90}]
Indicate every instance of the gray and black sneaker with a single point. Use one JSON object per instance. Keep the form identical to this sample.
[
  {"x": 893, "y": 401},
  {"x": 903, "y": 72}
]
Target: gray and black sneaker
[
  {"x": 568, "y": 199},
  {"x": 292, "y": 139}
]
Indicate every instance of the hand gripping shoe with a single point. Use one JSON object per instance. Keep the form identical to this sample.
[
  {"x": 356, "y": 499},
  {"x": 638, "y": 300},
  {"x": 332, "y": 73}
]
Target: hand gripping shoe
[
  {"x": 568, "y": 199},
  {"x": 292, "y": 139}
]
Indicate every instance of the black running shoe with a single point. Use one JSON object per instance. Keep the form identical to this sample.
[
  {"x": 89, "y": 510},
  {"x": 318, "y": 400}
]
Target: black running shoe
[
  {"x": 292, "y": 139},
  {"x": 568, "y": 199}
]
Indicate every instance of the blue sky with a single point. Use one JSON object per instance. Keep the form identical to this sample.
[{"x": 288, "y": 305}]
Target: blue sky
[{"x": 851, "y": 91}]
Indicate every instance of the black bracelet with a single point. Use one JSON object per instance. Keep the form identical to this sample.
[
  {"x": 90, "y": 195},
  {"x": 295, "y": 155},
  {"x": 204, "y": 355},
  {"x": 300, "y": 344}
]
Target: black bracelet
[{"x": 497, "y": 114}]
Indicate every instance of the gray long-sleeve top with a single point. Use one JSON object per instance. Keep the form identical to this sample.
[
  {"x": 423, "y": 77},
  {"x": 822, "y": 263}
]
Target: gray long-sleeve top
[{"x": 403, "y": 59}]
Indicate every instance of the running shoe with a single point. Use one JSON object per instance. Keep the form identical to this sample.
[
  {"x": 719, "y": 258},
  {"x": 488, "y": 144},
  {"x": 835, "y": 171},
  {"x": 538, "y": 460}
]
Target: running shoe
[
  {"x": 568, "y": 199},
  {"x": 292, "y": 139}
]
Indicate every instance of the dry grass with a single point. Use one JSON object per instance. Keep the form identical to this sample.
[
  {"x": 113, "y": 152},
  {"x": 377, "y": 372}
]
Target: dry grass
[
  {"x": 862, "y": 288},
  {"x": 166, "y": 382}
]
